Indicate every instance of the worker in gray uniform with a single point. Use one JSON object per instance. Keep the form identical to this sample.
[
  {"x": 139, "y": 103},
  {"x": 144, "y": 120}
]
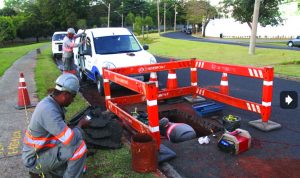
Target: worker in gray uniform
[
  {"x": 176, "y": 132},
  {"x": 50, "y": 146},
  {"x": 68, "y": 45}
]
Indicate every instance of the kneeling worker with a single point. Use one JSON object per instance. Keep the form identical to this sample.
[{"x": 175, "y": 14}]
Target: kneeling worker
[
  {"x": 50, "y": 146},
  {"x": 176, "y": 132}
]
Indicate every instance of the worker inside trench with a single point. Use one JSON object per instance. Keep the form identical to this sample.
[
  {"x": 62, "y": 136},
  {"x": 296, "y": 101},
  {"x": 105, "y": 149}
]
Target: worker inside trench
[{"x": 187, "y": 126}]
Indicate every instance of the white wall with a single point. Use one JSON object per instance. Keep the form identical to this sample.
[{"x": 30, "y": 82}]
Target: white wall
[{"x": 231, "y": 28}]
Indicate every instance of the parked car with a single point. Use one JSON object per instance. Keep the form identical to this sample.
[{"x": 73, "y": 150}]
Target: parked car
[
  {"x": 294, "y": 42},
  {"x": 111, "y": 48},
  {"x": 57, "y": 42}
]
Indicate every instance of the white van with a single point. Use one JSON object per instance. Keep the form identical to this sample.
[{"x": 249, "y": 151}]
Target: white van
[
  {"x": 57, "y": 43},
  {"x": 111, "y": 48}
]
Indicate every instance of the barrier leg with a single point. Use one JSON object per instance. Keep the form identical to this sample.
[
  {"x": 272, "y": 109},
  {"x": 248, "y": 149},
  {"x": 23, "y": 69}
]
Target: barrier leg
[{"x": 264, "y": 123}]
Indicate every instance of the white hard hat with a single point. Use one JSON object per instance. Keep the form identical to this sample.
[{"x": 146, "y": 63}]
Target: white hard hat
[
  {"x": 71, "y": 30},
  {"x": 67, "y": 82}
]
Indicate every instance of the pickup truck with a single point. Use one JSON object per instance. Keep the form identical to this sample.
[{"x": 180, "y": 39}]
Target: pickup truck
[{"x": 111, "y": 48}]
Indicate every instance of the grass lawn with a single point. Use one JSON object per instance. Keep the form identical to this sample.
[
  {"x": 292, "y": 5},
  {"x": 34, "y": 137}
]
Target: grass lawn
[
  {"x": 105, "y": 163},
  {"x": 11, "y": 54},
  {"x": 223, "y": 53}
]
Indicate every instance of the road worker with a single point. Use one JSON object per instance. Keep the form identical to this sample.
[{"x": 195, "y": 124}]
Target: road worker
[
  {"x": 176, "y": 132},
  {"x": 68, "y": 45},
  {"x": 50, "y": 146}
]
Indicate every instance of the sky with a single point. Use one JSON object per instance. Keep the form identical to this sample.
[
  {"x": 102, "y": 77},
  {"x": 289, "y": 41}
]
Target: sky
[{"x": 1, "y": 4}]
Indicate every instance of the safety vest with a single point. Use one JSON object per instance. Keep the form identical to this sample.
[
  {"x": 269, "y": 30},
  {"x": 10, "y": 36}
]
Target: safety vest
[{"x": 68, "y": 45}]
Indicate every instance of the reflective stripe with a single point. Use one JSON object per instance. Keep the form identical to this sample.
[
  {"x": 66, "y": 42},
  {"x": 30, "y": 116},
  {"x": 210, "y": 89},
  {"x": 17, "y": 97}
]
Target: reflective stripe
[
  {"x": 69, "y": 48},
  {"x": 107, "y": 97},
  {"x": 66, "y": 135},
  {"x": 169, "y": 130},
  {"x": 171, "y": 76},
  {"x": 268, "y": 83},
  {"x": 224, "y": 75},
  {"x": 194, "y": 83},
  {"x": 267, "y": 104},
  {"x": 154, "y": 129},
  {"x": 39, "y": 142},
  {"x": 193, "y": 69},
  {"x": 224, "y": 83},
  {"x": 21, "y": 87},
  {"x": 253, "y": 107},
  {"x": 105, "y": 80},
  {"x": 22, "y": 80},
  {"x": 152, "y": 102},
  {"x": 81, "y": 150},
  {"x": 59, "y": 88}
]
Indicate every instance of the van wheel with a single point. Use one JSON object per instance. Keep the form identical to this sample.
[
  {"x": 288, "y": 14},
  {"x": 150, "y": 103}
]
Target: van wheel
[
  {"x": 82, "y": 76},
  {"x": 99, "y": 83}
]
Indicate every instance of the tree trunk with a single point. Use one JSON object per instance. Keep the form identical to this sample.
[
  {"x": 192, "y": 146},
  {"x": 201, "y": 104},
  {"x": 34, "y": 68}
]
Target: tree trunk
[
  {"x": 37, "y": 39},
  {"x": 204, "y": 28}
]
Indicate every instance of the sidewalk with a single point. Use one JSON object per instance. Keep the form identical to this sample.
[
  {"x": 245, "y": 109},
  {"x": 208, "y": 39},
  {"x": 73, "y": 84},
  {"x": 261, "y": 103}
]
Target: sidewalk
[{"x": 13, "y": 121}]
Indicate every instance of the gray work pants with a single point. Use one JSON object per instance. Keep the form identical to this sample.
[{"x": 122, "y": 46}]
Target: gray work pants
[
  {"x": 55, "y": 161},
  {"x": 68, "y": 63}
]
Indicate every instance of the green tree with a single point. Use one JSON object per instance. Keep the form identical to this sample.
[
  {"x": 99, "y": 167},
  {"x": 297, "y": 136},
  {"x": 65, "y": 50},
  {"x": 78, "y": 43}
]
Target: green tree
[
  {"x": 138, "y": 23},
  {"x": 17, "y": 5},
  {"x": 200, "y": 12},
  {"x": 7, "y": 29},
  {"x": 7, "y": 11},
  {"x": 129, "y": 20},
  {"x": 81, "y": 24},
  {"x": 242, "y": 10}
]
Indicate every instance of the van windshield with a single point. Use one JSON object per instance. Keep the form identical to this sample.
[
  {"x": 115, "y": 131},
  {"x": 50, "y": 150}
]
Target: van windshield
[
  {"x": 58, "y": 37},
  {"x": 116, "y": 44}
]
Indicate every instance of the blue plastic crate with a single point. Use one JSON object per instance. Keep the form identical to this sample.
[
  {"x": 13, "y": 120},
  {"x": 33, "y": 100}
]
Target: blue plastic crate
[{"x": 207, "y": 108}]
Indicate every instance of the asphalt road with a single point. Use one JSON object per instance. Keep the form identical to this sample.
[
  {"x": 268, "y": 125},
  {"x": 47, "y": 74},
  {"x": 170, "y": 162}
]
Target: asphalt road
[{"x": 183, "y": 36}]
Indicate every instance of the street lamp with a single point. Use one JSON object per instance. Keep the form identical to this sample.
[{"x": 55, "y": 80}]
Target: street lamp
[
  {"x": 121, "y": 15},
  {"x": 108, "y": 14}
]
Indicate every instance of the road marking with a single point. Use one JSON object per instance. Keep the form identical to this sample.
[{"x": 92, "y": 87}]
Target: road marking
[
  {"x": 13, "y": 147},
  {"x": 1, "y": 150}
]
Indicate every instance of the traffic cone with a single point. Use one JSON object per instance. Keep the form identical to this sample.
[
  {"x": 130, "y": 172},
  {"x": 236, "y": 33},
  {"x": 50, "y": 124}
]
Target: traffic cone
[
  {"x": 224, "y": 84},
  {"x": 23, "y": 97},
  {"x": 172, "y": 79},
  {"x": 153, "y": 78}
]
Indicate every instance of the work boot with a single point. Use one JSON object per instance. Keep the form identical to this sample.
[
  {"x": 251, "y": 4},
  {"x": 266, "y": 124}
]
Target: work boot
[{"x": 33, "y": 175}]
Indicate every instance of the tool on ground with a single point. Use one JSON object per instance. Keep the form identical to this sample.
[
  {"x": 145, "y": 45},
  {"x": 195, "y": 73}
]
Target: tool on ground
[
  {"x": 235, "y": 142},
  {"x": 207, "y": 108}
]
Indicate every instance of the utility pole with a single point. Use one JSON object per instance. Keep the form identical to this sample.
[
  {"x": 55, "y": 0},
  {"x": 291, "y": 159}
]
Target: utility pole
[
  {"x": 165, "y": 17},
  {"x": 254, "y": 27},
  {"x": 175, "y": 18},
  {"x": 108, "y": 15},
  {"x": 158, "y": 19},
  {"x": 122, "y": 14}
]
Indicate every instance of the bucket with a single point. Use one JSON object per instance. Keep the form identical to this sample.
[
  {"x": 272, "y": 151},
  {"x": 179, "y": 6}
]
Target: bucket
[{"x": 144, "y": 153}]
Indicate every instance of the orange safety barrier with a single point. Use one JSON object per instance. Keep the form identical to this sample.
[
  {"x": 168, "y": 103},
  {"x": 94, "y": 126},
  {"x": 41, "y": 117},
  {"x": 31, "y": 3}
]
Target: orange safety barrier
[{"x": 148, "y": 92}]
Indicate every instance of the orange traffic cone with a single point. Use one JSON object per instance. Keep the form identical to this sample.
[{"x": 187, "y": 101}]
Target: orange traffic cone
[
  {"x": 153, "y": 78},
  {"x": 172, "y": 79},
  {"x": 224, "y": 84},
  {"x": 23, "y": 97}
]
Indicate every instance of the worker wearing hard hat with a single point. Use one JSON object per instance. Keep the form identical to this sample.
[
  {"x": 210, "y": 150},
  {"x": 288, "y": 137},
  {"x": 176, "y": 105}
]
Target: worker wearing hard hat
[
  {"x": 176, "y": 132},
  {"x": 50, "y": 146},
  {"x": 68, "y": 45}
]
